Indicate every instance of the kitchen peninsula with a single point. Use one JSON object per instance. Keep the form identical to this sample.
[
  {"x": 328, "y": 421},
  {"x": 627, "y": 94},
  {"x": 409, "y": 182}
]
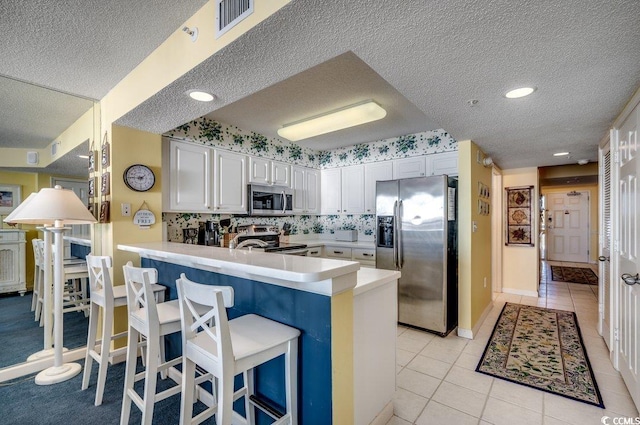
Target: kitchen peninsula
[{"x": 347, "y": 318}]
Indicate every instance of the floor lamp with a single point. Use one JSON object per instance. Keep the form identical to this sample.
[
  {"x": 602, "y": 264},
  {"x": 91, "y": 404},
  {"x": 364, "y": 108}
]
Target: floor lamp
[{"x": 58, "y": 206}]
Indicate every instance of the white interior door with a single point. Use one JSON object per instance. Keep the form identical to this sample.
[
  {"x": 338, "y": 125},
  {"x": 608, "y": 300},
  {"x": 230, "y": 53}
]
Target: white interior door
[
  {"x": 605, "y": 323},
  {"x": 628, "y": 294},
  {"x": 568, "y": 227}
]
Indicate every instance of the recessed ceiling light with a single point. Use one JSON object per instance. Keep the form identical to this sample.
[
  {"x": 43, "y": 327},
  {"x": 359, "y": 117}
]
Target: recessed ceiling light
[
  {"x": 561, "y": 153},
  {"x": 521, "y": 92},
  {"x": 201, "y": 96}
]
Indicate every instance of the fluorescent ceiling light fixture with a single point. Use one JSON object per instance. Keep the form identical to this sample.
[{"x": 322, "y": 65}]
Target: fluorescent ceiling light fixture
[
  {"x": 83, "y": 156},
  {"x": 201, "y": 96},
  {"x": 349, "y": 116},
  {"x": 521, "y": 92},
  {"x": 561, "y": 153}
]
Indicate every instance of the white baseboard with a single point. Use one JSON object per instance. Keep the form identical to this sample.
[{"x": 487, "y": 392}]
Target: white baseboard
[
  {"x": 520, "y": 292},
  {"x": 469, "y": 333},
  {"x": 384, "y": 416}
]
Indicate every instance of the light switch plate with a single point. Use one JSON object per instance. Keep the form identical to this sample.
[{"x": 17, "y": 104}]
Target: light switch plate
[{"x": 126, "y": 210}]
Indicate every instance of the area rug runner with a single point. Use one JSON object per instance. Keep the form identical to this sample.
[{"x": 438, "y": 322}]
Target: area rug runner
[
  {"x": 574, "y": 275},
  {"x": 541, "y": 348}
]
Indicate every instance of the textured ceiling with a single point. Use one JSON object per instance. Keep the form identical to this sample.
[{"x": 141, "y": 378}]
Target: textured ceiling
[{"x": 583, "y": 57}]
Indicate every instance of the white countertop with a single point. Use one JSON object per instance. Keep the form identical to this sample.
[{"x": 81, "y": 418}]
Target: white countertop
[
  {"x": 369, "y": 279},
  {"x": 318, "y": 275},
  {"x": 84, "y": 240},
  {"x": 332, "y": 242}
]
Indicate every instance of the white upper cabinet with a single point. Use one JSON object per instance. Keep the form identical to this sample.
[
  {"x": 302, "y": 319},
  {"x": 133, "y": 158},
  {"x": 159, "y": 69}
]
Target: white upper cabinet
[
  {"x": 230, "y": 182},
  {"x": 409, "y": 167},
  {"x": 353, "y": 189},
  {"x": 265, "y": 171},
  {"x": 189, "y": 176},
  {"x": 331, "y": 190},
  {"x": 305, "y": 183},
  {"x": 343, "y": 190},
  {"x": 374, "y": 172},
  {"x": 443, "y": 163}
]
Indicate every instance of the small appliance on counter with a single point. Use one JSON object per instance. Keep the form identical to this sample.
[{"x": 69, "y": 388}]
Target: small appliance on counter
[
  {"x": 190, "y": 236},
  {"x": 208, "y": 233},
  {"x": 346, "y": 235}
]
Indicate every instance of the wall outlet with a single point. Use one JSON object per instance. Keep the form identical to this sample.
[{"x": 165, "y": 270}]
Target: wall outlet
[{"x": 126, "y": 210}]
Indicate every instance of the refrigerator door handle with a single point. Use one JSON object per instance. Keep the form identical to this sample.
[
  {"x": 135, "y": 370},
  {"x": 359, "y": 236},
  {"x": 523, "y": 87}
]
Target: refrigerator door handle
[
  {"x": 395, "y": 234},
  {"x": 399, "y": 233}
]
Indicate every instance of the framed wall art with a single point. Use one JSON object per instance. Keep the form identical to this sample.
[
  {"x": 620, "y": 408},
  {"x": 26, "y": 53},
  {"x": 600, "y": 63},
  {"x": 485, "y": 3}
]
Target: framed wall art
[
  {"x": 519, "y": 222},
  {"x": 10, "y": 197}
]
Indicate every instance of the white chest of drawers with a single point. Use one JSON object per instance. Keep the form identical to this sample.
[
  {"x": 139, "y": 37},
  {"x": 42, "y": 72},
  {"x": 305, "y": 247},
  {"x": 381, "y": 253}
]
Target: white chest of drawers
[{"x": 12, "y": 261}]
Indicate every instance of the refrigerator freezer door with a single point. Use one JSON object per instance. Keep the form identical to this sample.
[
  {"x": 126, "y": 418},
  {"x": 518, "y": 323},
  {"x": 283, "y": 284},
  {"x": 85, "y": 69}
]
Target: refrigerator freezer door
[
  {"x": 386, "y": 204},
  {"x": 423, "y": 253}
]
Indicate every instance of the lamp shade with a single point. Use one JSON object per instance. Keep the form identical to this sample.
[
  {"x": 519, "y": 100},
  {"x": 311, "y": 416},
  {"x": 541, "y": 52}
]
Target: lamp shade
[
  {"x": 16, "y": 211},
  {"x": 57, "y": 205}
]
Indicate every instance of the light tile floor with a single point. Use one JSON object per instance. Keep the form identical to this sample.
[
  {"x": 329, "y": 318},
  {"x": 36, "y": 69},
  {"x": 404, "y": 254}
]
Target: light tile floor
[{"x": 437, "y": 382}]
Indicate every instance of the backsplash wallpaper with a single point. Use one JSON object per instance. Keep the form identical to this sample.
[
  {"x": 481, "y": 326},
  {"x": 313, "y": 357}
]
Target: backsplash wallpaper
[{"x": 215, "y": 134}]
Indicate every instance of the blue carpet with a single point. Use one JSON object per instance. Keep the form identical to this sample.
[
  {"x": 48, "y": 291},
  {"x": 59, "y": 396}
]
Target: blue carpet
[
  {"x": 24, "y": 402},
  {"x": 21, "y": 335}
]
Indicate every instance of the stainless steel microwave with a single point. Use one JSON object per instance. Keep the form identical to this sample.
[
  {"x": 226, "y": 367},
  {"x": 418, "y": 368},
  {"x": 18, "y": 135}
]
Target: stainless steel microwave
[{"x": 270, "y": 200}]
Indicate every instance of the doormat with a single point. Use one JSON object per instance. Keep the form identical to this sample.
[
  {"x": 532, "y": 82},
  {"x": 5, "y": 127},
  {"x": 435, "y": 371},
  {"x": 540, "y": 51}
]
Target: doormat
[
  {"x": 541, "y": 348},
  {"x": 574, "y": 275}
]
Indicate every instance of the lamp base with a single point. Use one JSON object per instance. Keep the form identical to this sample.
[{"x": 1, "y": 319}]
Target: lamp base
[
  {"x": 43, "y": 354},
  {"x": 56, "y": 374}
]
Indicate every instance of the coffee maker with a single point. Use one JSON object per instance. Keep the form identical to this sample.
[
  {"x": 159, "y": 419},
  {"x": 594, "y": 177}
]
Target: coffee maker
[{"x": 208, "y": 233}]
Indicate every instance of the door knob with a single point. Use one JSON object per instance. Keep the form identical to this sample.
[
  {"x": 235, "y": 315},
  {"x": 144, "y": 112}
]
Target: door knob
[
  {"x": 603, "y": 258},
  {"x": 630, "y": 279}
]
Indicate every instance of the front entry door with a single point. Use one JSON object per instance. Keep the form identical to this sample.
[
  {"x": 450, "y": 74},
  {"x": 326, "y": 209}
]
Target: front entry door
[
  {"x": 568, "y": 227},
  {"x": 628, "y": 295}
]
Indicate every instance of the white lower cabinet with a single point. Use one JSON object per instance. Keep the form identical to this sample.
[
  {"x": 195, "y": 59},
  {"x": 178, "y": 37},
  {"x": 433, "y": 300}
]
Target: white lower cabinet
[
  {"x": 305, "y": 183},
  {"x": 230, "y": 183},
  {"x": 365, "y": 256},
  {"x": 12, "y": 261}
]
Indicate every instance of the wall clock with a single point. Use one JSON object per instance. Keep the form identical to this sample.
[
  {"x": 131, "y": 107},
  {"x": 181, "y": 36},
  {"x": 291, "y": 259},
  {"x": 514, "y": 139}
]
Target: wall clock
[{"x": 139, "y": 177}]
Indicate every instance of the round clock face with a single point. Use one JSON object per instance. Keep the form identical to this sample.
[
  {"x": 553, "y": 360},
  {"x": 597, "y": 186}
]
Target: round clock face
[{"x": 139, "y": 177}]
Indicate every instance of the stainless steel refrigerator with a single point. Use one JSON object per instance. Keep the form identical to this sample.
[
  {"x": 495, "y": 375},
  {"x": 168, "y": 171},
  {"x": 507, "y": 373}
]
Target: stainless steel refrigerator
[{"x": 417, "y": 234}]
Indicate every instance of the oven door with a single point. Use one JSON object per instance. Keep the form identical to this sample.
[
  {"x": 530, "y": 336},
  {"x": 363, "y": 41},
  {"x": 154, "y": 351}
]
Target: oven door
[{"x": 270, "y": 200}]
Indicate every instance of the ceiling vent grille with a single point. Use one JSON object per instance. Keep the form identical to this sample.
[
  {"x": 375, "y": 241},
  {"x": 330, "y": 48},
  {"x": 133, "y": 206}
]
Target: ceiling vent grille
[{"x": 230, "y": 13}]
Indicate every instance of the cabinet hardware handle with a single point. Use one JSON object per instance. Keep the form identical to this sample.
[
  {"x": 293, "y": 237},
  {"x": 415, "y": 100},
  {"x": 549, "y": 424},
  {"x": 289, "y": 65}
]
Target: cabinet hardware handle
[
  {"x": 367, "y": 255},
  {"x": 603, "y": 258},
  {"x": 338, "y": 252},
  {"x": 630, "y": 279}
]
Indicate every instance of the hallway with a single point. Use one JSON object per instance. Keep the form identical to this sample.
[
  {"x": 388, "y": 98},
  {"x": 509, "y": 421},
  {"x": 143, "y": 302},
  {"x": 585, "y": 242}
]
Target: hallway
[{"x": 437, "y": 382}]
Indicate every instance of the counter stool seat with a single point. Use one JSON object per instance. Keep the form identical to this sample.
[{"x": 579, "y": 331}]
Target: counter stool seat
[
  {"x": 230, "y": 348},
  {"x": 106, "y": 296}
]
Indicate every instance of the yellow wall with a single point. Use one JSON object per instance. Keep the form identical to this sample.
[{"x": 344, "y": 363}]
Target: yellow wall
[
  {"x": 474, "y": 248},
  {"x": 594, "y": 218},
  {"x": 520, "y": 274}
]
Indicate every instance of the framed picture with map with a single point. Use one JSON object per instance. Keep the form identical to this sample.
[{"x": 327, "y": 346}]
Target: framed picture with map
[{"x": 519, "y": 216}]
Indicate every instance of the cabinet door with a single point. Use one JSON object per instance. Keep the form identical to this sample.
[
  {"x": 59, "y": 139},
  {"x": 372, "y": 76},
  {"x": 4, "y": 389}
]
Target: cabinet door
[
  {"x": 312, "y": 186},
  {"x": 298, "y": 175},
  {"x": 331, "y": 194},
  {"x": 409, "y": 167},
  {"x": 189, "y": 177},
  {"x": 444, "y": 163},
  {"x": 280, "y": 173},
  {"x": 372, "y": 173},
  {"x": 230, "y": 182},
  {"x": 259, "y": 170},
  {"x": 353, "y": 189}
]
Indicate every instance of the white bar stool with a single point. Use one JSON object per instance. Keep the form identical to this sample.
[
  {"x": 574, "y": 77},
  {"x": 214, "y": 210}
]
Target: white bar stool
[
  {"x": 229, "y": 348},
  {"x": 38, "y": 278},
  {"x": 106, "y": 296},
  {"x": 152, "y": 321}
]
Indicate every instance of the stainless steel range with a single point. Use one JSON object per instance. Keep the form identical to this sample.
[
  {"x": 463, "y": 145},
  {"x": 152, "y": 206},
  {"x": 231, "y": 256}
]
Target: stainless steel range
[{"x": 265, "y": 238}]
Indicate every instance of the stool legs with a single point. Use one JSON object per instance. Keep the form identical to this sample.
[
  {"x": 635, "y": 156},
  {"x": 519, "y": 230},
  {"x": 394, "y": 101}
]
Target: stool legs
[
  {"x": 129, "y": 375},
  {"x": 291, "y": 380},
  {"x": 105, "y": 349},
  {"x": 188, "y": 390},
  {"x": 91, "y": 344}
]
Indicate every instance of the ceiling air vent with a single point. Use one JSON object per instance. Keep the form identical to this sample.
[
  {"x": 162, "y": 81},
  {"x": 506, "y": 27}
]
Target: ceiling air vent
[{"x": 230, "y": 13}]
